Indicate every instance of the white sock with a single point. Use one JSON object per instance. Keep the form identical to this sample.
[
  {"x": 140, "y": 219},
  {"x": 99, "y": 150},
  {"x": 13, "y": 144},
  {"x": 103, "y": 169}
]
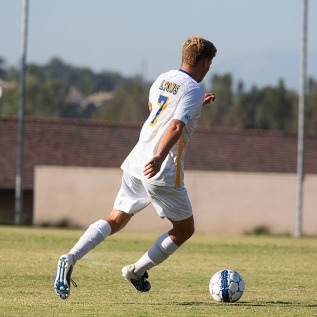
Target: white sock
[
  {"x": 159, "y": 252},
  {"x": 95, "y": 234}
]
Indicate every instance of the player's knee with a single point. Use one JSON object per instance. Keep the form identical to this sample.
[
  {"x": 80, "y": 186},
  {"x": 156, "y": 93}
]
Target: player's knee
[
  {"x": 117, "y": 220},
  {"x": 189, "y": 228},
  {"x": 190, "y": 231},
  {"x": 184, "y": 233}
]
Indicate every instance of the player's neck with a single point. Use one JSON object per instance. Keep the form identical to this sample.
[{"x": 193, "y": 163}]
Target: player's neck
[{"x": 191, "y": 71}]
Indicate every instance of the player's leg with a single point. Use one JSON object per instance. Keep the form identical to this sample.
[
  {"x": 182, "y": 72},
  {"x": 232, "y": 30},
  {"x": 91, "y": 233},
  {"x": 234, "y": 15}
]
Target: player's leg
[
  {"x": 131, "y": 198},
  {"x": 95, "y": 234},
  {"x": 166, "y": 245},
  {"x": 182, "y": 230},
  {"x": 99, "y": 231},
  {"x": 175, "y": 205}
]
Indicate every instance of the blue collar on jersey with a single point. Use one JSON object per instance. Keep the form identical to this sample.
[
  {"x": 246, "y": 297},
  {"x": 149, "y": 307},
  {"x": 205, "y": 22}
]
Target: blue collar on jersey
[{"x": 182, "y": 70}]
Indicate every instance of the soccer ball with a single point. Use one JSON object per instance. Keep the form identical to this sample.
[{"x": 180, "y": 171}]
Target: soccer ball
[{"x": 226, "y": 286}]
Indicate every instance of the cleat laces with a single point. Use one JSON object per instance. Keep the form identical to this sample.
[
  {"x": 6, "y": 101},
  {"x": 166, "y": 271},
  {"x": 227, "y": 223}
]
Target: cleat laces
[{"x": 73, "y": 282}]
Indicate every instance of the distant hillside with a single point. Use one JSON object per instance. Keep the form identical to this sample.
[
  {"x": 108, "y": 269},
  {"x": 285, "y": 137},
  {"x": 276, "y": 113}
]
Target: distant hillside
[{"x": 266, "y": 68}]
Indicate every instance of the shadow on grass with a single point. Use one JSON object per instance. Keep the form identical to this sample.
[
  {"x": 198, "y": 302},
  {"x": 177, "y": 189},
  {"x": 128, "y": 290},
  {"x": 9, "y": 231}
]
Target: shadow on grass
[
  {"x": 251, "y": 304},
  {"x": 277, "y": 303}
]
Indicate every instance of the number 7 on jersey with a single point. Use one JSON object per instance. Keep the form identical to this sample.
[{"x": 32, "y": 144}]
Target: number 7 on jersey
[{"x": 162, "y": 102}]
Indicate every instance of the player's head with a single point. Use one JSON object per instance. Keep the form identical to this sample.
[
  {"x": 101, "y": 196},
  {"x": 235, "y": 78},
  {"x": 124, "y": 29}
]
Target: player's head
[
  {"x": 195, "y": 49},
  {"x": 197, "y": 54}
]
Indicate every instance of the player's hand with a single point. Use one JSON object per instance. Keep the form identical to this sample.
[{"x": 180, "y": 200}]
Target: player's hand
[
  {"x": 152, "y": 167},
  {"x": 209, "y": 97}
]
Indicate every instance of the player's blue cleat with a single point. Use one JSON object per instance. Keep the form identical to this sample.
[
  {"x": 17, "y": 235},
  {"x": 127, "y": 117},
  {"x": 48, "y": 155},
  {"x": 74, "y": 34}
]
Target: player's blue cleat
[
  {"x": 139, "y": 283},
  {"x": 63, "y": 276}
]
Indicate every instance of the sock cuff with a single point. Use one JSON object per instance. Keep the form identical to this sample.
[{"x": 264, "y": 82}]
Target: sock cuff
[
  {"x": 103, "y": 227},
  {"x": 166, "y": 244}
]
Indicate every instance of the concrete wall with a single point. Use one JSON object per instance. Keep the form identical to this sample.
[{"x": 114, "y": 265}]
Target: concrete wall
[{"x": 223, "y": 203}]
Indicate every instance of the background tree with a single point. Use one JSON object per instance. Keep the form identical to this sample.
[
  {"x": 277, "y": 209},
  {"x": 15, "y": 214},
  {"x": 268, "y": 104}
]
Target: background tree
[
  {"x": 45, "y": 99},
  {"x": 129, "y": 103},
  {"x": 9, "y": 102},
  {"x": 274, "y": 108},
  {"x": 2, "y": 68},
  {"x": 243, "y": 109},
  {"x": 216, "y": 114},
  {"x": 58, "y": 89},
  {"x": 311, "y": 108}
]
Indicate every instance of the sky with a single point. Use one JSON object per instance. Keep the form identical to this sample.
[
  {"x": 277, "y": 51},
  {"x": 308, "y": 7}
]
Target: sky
[{"x": 258, "y": 41}]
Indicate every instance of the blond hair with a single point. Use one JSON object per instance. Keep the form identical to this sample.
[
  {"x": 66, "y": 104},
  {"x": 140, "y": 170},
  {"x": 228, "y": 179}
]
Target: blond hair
[{"x": 195, "y": 49}]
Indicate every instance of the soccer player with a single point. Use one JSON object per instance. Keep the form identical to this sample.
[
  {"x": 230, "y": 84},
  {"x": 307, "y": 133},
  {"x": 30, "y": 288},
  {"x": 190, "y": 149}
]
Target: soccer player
[{"x": 153, "y": 172}]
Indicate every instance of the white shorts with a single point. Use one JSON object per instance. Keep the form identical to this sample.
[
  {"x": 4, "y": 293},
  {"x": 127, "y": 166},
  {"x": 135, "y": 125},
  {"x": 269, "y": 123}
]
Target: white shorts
[{"x": 170, "y": 202}]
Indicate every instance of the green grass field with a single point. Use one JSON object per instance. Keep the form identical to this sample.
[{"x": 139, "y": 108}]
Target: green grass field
[{"x": 280, "y": 276}]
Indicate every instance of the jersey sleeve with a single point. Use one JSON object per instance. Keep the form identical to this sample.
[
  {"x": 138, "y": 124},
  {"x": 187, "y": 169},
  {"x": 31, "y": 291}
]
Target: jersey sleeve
[{"x": 189, "y": 104}]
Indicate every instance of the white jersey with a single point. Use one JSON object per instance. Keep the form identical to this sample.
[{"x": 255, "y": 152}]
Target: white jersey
[{"x": 174, "y": 95}]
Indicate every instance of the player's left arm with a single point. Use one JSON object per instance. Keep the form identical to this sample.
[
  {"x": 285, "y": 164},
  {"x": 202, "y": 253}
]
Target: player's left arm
[
  {"x": 209, "y": 97},
  {"x": 149, "y": 105},
  {"x": 169, "y": 139}
]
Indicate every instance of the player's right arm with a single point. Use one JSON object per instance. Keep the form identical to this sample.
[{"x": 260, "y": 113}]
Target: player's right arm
[{"x": 169, "y": 139}]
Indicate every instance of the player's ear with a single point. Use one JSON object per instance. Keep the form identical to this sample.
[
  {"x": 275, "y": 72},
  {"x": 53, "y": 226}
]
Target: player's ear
[{"x": 207, "y": 61}]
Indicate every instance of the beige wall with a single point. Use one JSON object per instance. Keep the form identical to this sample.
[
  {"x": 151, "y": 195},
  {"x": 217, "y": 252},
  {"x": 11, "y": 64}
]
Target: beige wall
[{"x": 223, "y": 203}]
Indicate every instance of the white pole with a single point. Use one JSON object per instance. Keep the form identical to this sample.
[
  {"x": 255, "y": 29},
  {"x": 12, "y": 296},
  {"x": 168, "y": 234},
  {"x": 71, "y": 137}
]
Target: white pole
[
  {"x": 19, "y": 165},
  {"x": 301, "y": 126}
]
